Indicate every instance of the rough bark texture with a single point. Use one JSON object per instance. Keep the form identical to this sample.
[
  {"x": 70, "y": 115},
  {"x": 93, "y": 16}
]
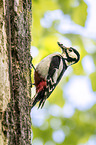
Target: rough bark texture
[
  {"x": 15, "y": 78},
  {"x": 4, "y": 72}
]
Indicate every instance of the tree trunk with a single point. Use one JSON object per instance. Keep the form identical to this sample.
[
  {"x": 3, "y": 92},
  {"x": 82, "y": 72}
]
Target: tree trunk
[{"x": 15, "y": 73}]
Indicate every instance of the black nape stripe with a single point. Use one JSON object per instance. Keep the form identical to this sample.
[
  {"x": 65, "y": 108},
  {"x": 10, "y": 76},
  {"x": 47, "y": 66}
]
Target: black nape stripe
[{"x": 77, "y": 53}]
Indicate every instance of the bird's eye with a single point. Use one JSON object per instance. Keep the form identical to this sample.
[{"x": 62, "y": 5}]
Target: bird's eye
[{"x": 70, "y": 50}]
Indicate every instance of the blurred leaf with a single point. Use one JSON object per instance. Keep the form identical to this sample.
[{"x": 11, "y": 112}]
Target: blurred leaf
[
  {"x": 57, "y": 97},
  {"x": 39, "y": 8},
  {"x": 76, "y": 9},
  {"x": 46, "y": 134},
  {"x": 66, "y": 5},
  {"x": 78, "y": 69},
  {"x": 93, "y": 81},
  {"x": 79, "y": 14}
]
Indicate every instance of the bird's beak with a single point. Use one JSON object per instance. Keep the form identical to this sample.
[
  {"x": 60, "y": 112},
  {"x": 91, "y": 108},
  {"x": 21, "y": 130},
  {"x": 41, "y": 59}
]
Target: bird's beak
[{"x": 62, "y": 47}]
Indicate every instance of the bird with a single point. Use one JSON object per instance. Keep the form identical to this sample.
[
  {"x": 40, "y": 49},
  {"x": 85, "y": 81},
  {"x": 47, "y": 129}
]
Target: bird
[{"x": 50, "y": 70}]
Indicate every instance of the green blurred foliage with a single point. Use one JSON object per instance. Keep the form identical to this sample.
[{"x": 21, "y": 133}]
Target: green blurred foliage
[
  {"x": 77, "y": 9},
  {"x": 57, "y": 97},
  {"x": 82, "y": 124},
  {"x": 93, "y": 82}
]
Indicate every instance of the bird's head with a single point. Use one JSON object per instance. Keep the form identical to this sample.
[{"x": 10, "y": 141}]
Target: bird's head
[{"x": 70, "y": 54}]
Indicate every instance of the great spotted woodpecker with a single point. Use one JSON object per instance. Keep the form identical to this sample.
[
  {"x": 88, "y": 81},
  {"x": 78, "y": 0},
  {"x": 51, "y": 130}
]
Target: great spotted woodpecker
[{"x": 49, "y": 72}]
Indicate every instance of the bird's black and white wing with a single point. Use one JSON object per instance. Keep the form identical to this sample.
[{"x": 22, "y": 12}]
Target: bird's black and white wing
[{"x": 55, "y": 73}]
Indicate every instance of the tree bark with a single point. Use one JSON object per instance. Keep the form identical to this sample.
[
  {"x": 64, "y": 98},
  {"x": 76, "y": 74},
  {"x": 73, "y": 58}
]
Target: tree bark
[{"x": 15, "y": 72}]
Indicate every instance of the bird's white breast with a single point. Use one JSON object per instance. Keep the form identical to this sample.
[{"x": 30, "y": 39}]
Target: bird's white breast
[{"x": 43, "y": 67}]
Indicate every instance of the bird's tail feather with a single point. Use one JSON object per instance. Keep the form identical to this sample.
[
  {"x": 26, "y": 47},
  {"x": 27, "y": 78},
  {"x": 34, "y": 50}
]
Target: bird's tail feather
[
  {"x": 41, "y": 104},
  {"x": 39, "y": 97}
]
